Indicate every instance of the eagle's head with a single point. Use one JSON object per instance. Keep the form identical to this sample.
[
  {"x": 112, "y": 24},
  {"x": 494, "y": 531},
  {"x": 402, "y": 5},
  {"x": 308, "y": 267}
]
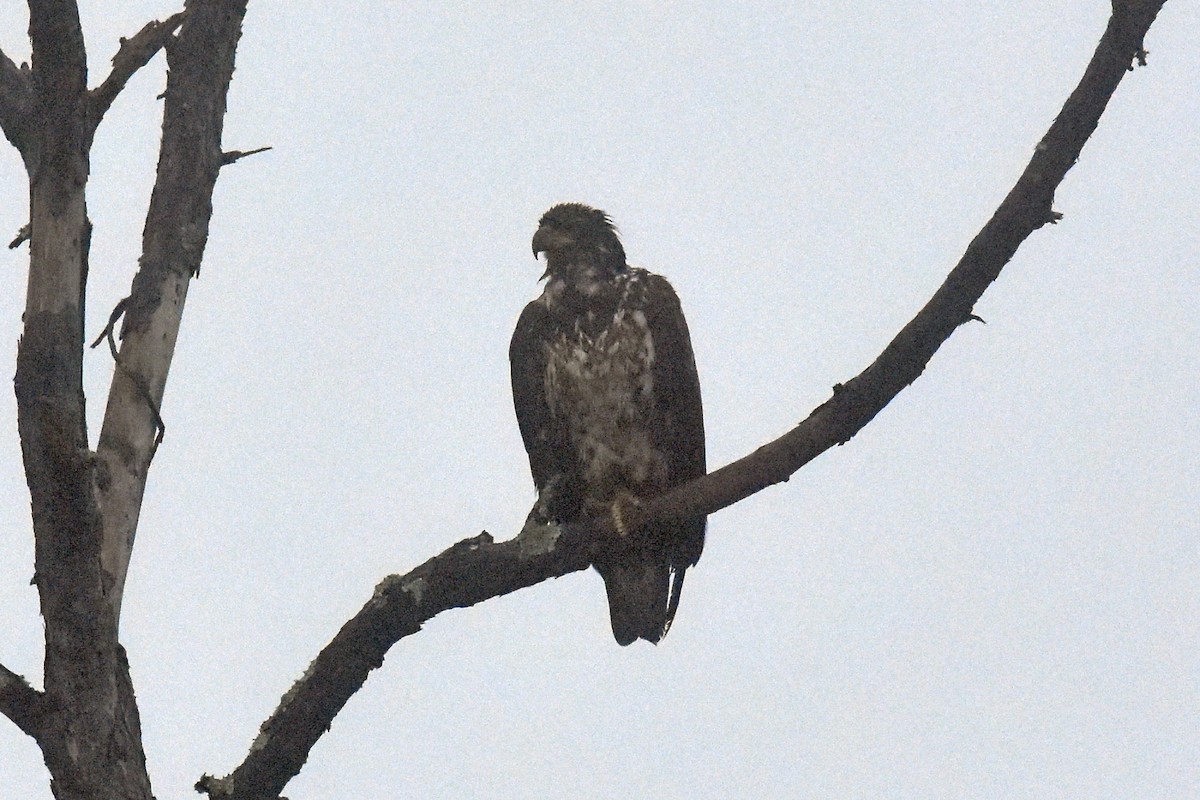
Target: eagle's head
[{"x": 575, "y": 236}]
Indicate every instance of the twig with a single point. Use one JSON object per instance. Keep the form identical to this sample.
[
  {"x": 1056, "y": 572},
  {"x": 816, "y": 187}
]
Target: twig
[
  {"x": 116, "y": 314},
  {"x": 232, "y": 156},
  {"x": 22, "y": 236},
  {"x": 160, "y": 427}
]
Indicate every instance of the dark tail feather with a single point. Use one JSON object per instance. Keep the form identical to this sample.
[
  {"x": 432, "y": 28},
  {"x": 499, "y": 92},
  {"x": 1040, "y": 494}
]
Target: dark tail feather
[{"x": 637, "y": 600}]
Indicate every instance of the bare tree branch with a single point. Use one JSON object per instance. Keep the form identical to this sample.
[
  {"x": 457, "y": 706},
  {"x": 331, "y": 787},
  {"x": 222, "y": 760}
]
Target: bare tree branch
[
  {"x": 133, "y": 54},
  {"x": 16, "y": 102},
  {"x": 477, "y": 569},
  {"x": 200, "y": 65},
  {"x": 20, "y": 702}
]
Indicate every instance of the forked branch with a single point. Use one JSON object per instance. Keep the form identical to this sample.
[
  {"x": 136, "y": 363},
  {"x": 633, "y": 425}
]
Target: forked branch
[
  {"x": 133, "y": 54},
  {"x": 477, "y": 569}
]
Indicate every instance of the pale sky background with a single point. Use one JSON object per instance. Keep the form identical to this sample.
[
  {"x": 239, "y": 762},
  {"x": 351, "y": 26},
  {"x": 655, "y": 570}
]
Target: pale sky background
[{"x": 991, "y": 592}]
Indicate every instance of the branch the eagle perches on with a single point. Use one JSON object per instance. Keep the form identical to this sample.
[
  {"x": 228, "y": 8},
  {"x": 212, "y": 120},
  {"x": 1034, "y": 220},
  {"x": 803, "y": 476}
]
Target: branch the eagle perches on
[
  {"x": 84, "y": 658},
  {"x": 479, "y": 568}
]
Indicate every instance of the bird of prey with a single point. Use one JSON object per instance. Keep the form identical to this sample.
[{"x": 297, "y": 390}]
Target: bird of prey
[{"x": 608, "y": 402}]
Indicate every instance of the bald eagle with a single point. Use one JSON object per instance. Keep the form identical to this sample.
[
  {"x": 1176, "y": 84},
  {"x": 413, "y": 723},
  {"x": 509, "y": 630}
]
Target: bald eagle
[{"x": 608, "y": 403}]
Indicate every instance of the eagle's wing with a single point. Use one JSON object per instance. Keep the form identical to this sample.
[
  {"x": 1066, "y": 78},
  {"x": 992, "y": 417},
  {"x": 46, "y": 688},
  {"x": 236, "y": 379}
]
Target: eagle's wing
[
  {"x": 679, "y": 420},
  {"x": 546, "y": 439},
  {"x": 527, "y": 362},
  {"x": 679, "y": 424}
]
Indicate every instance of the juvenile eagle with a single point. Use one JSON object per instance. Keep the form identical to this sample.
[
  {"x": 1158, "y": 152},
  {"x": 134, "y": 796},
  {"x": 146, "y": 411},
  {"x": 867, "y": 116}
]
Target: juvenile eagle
[{"x": 608, "y": 403}]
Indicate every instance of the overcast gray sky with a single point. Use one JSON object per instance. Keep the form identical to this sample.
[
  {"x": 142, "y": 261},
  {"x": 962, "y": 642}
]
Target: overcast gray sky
[{"x": 990, "y": 592}]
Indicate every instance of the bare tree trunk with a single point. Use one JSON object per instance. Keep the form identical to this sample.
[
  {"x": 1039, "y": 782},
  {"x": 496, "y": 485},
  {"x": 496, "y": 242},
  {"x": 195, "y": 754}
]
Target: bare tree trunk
[
  {"x": 85, "y": 504},
  {"x": 90, "y": 734}
]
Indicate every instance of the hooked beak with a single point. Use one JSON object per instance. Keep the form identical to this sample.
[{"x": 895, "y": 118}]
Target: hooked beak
[{"x": 548, "y": 239}]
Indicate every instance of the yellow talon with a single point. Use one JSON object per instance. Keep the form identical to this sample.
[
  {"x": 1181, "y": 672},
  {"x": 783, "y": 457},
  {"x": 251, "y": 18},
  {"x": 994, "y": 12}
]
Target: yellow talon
[
  {"x": 619, "y": 520},
  {"x": 623, "y": 500}
]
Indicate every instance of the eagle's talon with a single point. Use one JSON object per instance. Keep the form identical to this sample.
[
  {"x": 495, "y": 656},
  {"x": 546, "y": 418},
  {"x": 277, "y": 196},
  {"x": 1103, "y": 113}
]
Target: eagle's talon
[
  {"x": 619, "y": 521},
  {"x": 624, "y": 500}
]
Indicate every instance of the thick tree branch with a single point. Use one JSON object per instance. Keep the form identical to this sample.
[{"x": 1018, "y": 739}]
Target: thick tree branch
[
  {"x": 20, "y": 702},
  {"x": 16, "y": 103},
  {"x": 200, "y": 65},
  {"x": 477, "y": 569},
  {"x": 133, "y": 54}
]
